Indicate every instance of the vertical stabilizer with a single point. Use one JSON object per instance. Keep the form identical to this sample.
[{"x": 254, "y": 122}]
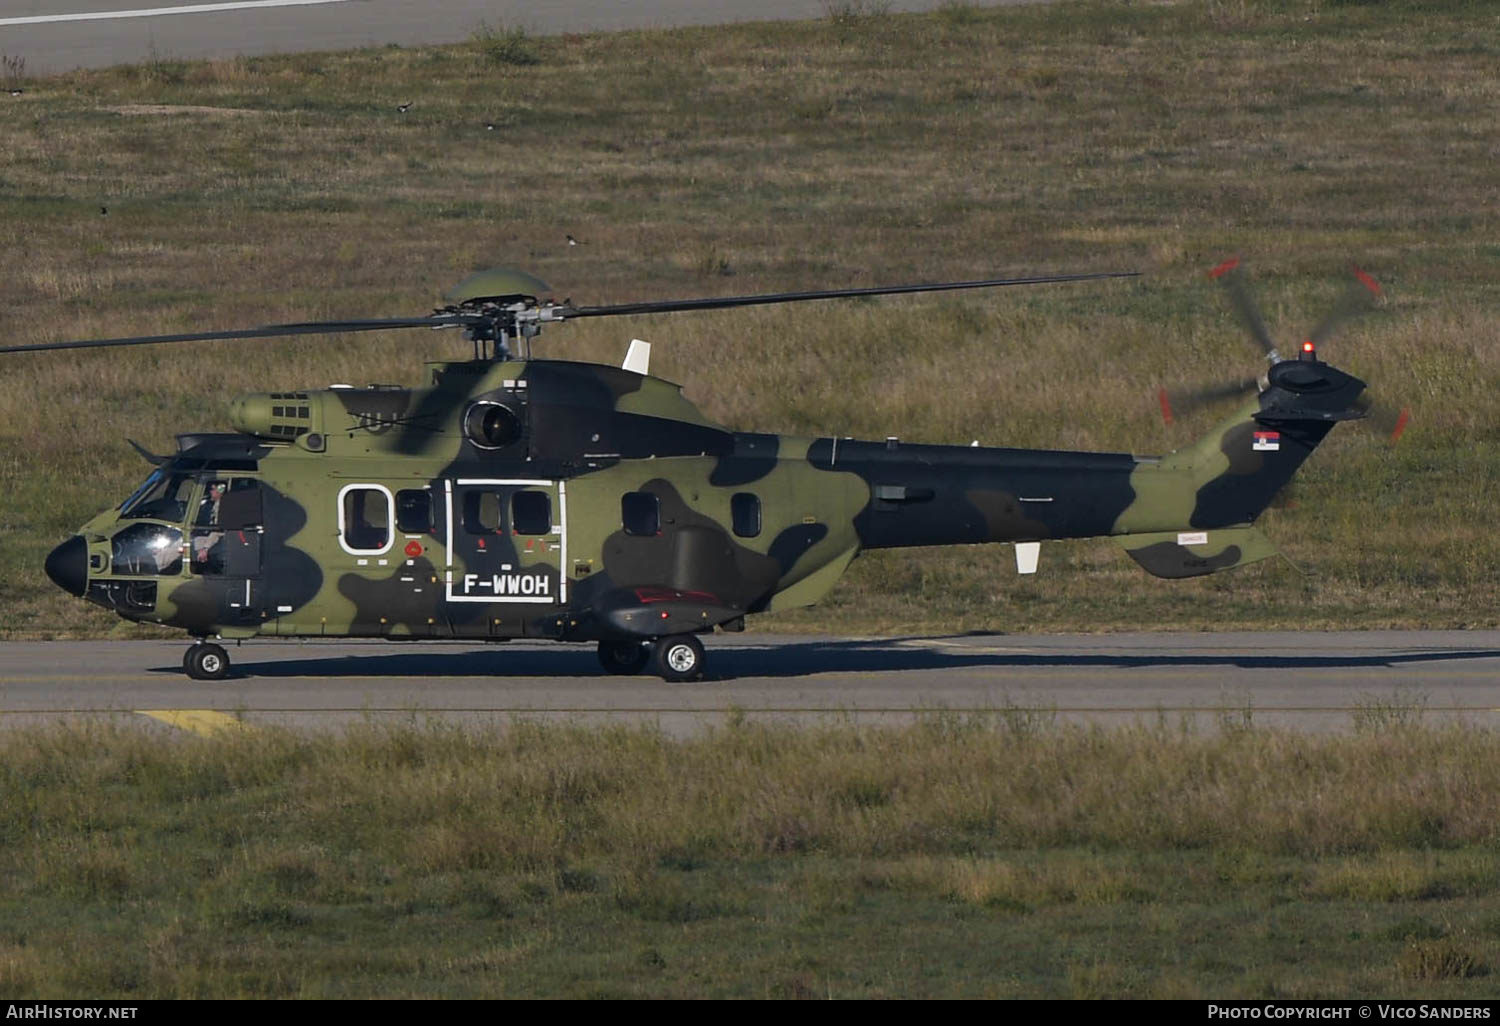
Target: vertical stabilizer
[{"x": 1193, "y": 508}]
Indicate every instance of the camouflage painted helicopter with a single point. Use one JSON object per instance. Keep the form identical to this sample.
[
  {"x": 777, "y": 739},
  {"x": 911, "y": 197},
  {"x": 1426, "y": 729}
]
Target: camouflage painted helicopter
[{"x": 515, "y": 497}]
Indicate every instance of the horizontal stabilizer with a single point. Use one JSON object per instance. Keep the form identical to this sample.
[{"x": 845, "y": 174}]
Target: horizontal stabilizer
[{"x": 1195, "y": 553}]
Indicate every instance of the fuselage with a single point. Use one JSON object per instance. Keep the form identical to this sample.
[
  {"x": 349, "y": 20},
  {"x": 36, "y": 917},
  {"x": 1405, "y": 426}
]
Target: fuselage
[{"x": 549, "y": 499}]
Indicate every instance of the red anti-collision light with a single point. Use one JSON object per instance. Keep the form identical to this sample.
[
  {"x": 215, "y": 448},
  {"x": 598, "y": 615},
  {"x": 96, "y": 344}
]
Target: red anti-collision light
[{"x": 1308, "y": 347}]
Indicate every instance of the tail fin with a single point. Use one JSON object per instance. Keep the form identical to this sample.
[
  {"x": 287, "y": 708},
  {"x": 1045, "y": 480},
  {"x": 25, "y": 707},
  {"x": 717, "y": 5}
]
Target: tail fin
[{"x": 1193, "y": 509}]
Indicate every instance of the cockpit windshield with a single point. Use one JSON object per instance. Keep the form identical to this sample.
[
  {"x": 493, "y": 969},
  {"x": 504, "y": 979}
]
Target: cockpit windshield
[{"x": 163, "y": 496}]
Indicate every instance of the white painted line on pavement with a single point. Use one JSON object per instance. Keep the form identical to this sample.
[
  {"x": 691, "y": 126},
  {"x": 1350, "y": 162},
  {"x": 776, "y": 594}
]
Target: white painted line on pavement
[{"x": 153, "y": 12}]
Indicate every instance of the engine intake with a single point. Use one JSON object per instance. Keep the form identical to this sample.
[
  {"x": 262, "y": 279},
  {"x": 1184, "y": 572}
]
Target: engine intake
[{"x": 278, "y": 416}]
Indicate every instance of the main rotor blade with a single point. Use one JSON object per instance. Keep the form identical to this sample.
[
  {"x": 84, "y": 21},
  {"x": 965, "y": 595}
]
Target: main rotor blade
[
  {"x": 1233, "y": 278},
  {"x": 667, "y": 306},
  {"x": 268, "y": 331}
]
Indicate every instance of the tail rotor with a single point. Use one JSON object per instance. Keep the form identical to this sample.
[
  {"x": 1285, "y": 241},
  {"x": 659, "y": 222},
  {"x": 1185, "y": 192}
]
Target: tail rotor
[{"x": 1358, "y": 299}]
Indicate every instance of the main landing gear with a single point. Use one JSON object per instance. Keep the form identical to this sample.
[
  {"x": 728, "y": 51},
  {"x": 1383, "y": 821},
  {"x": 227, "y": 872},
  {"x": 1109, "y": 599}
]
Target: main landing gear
[
  {"x": 206, "y": 661},
  {"x": 677, "y": 657},
  {"x": 626, "y": 658}
]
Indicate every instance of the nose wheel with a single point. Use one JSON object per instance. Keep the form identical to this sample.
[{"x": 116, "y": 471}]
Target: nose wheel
[
  {"x": 678, "y": 657},
  {"x": 206, "y": 661}
]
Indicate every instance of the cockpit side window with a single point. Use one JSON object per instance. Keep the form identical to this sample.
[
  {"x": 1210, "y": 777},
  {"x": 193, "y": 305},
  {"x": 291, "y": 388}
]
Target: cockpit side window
[
  {"x": 151, "y": 482},
  {"x": 234, "y": 504},
  {"x": 163, "y": 497}
]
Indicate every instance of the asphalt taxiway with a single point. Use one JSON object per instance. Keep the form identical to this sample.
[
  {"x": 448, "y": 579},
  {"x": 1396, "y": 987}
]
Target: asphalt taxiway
[
  {"x": 56, "y": 35},
  {"x": 1315, "y": 681}
]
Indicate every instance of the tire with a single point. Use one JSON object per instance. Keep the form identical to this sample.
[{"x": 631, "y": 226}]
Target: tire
[
  {"x": 206, "y": 662},
  {"x": 679, "y": 657},
  {"x": 625, "y": 658}
]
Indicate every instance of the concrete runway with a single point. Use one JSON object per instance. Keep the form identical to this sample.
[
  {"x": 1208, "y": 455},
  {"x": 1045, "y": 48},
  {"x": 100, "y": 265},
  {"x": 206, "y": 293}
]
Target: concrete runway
[
  {"x": 1315, "y": 681},
  {"x": 56, "y": 35}
]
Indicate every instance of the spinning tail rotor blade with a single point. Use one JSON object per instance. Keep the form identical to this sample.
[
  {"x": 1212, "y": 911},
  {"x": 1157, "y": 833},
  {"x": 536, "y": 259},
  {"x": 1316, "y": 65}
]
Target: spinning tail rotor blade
[
  {"x": 1232, "y": 277},
  {"x": 1186, "y": 400},
  {"x": 1359, "y": 298},
  {"x": 1385, "y": 418}
]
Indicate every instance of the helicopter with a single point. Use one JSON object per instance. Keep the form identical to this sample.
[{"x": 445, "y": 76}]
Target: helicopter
[{"x": 513, "y": 497}]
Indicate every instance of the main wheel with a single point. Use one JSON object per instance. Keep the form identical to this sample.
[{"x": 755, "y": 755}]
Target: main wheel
[
  {"x": 679, "y": 657},
  {"x": 626, "y": 658},
  {"x": 205, "y": 661}
]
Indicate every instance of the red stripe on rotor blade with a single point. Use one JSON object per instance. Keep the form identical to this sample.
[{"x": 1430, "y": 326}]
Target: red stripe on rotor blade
[
  {"x": 1166, "y": 406},
  {"x": 1401, "y": 423},
  {"x": 1367, "y": 282},
  {"x": 1224, "y": 268}
]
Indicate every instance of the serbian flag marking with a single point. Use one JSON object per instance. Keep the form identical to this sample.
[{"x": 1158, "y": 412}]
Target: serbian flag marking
[{"x": 1267, "y": 441}]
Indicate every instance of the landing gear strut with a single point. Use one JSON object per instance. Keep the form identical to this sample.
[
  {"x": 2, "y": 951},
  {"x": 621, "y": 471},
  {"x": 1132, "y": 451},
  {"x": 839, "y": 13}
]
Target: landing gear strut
[
  {"x": 678, "y": 657},
  {"x": 626, "y": 658},
  {"x": 206, "y": 661}
]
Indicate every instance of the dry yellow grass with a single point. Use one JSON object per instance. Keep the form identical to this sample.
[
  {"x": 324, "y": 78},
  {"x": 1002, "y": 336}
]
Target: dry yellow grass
[{"x": 954, "y": 857}]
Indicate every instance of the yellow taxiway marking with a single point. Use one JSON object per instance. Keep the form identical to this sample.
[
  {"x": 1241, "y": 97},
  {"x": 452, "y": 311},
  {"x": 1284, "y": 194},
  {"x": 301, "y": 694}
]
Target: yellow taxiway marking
[{"x": 207, "y": 722}]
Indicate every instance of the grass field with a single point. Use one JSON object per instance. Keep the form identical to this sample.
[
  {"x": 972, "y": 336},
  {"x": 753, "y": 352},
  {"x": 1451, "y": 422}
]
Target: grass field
[
  {"x": 856, "y": 150},
  {"x": 1008, "y": 857}
]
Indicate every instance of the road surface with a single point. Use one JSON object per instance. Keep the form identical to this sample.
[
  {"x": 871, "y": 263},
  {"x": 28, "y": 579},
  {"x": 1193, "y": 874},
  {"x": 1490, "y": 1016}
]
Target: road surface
[
  {"x": 57, "y": 35},
  {"x": 1316, "y": 681}
]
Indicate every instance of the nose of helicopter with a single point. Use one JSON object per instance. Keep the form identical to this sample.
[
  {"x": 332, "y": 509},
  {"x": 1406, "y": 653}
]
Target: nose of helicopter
[{"x": 68, "y": 565}]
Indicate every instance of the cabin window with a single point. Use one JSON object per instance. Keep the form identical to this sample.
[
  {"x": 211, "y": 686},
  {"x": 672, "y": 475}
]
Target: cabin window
[
  {"x": 744, "y": 510},
  {"x": 366, "y": 514},
  {"x": 146, "y": 550},
  {"x": 414, "y": 511},
  {"x": 640, "y": 513},
  {"x": 482, "y": 512},
  {"x": 531, "y": 513}
]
